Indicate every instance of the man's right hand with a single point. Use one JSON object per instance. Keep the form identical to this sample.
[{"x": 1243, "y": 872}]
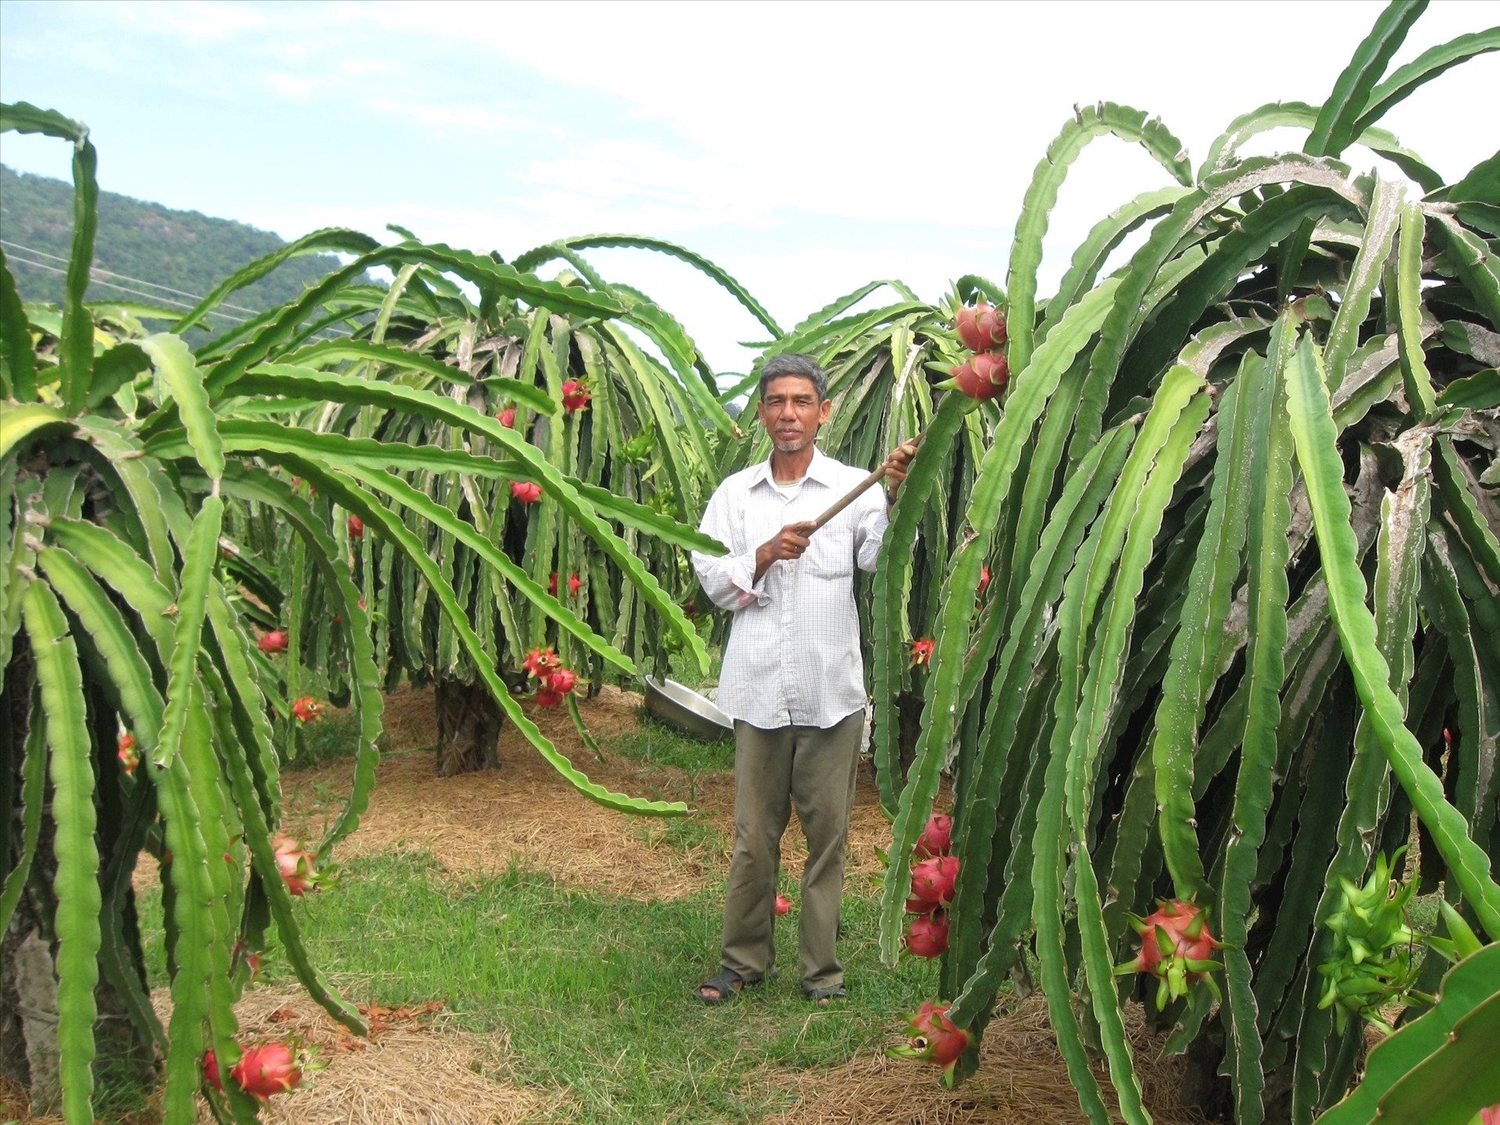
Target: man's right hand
[{"x": 788, "y": 543}]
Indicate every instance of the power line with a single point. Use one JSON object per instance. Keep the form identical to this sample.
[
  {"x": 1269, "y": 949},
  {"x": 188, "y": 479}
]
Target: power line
[
  {"x": 126, "y": 289},
  {"x": 98, "y": 272},
  {"x": 95, "y": 271}
]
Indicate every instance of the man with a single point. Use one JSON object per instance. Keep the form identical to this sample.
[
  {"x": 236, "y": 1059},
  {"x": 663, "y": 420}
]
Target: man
[{"x": 793, "y": 678}]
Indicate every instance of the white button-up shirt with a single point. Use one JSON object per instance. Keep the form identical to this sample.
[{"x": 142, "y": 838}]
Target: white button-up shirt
[{"x": 793, "y": 654}]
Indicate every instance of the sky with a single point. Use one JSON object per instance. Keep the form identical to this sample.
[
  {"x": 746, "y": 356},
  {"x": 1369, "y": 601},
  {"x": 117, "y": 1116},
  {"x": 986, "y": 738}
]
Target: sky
[{"x": 806, "y": 148}]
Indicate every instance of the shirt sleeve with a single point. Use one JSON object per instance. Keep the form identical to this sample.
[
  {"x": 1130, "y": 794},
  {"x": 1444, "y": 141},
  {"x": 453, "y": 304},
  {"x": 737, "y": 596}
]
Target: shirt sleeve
[
  {"x": 869, "y": 529},
  {"x": 728, "y": 580}
]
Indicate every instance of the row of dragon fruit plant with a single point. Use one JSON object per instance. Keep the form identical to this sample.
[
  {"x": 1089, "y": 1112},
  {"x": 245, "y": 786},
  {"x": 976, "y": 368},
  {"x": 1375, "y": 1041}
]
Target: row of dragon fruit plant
[{"x": 1219, "y": 624}]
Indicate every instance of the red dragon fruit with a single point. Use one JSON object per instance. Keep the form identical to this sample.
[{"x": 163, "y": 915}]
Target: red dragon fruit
[
  {"x": 306, "y": 708},
  {"x": 575, "y": 395},
  {"x": 783, "y": 905},
  {"x": 927, "y": 936},
  {"x": 921, "y": 651},
  {"x": 992, "y": 367},
  {"x": 968, "y": 381},
  {"x": 981, "y": 328},
  {"x": 1177, "y": 948},
  {"x": 936, "y": 837},
  {"x": 526, "y": 491},
  {"x": 271, "y": 1068},
  {"x": 507, "y": 417},
  {"x": 356, "y": 528},
  {"x": 934, "y": 1038},
  {"x": 274, "y": 642},
  {"x": 932, "y": 880},
  {"x": 211, "y": 1070},
  {"x": 541, "y": 661}
]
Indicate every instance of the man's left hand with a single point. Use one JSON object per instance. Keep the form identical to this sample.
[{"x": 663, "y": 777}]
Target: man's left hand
[{"x": 897, "y": 464}]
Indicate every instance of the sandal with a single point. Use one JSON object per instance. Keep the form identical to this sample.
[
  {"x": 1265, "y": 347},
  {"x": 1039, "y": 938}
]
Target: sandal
[
  {"x": 825, "y": 996},
  {"x": 727, "y": 984}
]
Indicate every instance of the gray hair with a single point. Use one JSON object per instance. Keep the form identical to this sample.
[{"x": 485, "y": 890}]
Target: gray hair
[{"x": 793, "y": 363}]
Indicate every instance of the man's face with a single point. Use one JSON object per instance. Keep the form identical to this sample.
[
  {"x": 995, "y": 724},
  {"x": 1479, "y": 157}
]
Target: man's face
[{"x": 791, "y": 412}]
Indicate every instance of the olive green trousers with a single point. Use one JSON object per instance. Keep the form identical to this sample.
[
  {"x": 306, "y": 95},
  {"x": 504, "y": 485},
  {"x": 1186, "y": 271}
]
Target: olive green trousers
[{"x": 812, "y": 768}]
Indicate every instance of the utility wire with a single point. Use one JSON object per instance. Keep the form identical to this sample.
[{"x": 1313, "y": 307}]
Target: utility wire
[
  {"x": 154, "y": 298},
  {"x": 94, "y": 271}
]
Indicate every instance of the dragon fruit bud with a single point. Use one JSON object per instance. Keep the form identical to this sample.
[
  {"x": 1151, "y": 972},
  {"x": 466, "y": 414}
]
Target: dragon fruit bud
[
  {"x": 129, "y": 759},
  {"x": 295, "y": 864}
]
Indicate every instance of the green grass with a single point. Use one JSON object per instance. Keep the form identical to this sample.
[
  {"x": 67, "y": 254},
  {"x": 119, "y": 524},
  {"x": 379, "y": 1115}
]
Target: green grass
[
  {"x": 595, "y": 993},
  {"x": 660, "y": 745},
  {"x": 334, "y": 734}
]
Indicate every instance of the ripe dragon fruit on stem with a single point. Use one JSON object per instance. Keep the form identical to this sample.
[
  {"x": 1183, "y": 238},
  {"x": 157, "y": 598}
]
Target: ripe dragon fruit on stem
[
  {"x": 932, "y": 882},
  {"x": 967, "y": 380},
  {"x": 927, "y": 936},
  {"x": 1176, "y": 947},
  {"x": 981, "y": 328},
  {"x": 274, "y": 642},
  {"x": 921, "y": 651},
  {"x": 936, "y": 838},
  {"x": 271, "y": 1068},
  {"x": 306, "y": 708},
  {"x": 934, "y": 1038}
]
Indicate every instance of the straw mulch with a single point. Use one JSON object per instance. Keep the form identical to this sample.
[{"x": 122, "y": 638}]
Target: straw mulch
[
  {"x": 413, "y": 1070},
  {"x": 1021, "y": 1079}
]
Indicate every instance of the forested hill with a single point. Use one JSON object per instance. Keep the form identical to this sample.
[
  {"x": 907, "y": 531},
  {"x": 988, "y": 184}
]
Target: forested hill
[{"x": 139, "y": 241}]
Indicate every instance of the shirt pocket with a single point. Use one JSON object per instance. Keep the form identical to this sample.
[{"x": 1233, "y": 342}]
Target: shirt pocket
[{"x": 830, "y": 553}]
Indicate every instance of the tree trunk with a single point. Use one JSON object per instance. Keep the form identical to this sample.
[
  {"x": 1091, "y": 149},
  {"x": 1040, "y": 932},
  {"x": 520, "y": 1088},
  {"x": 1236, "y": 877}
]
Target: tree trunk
[{"x": 469, "y": 722}]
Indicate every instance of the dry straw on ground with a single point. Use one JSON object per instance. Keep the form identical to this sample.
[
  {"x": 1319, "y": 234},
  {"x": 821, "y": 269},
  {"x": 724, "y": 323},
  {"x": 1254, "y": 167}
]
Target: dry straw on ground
[
  {"x": 413, "y": 1070},
  {"x": 1021, "y": 1079}
]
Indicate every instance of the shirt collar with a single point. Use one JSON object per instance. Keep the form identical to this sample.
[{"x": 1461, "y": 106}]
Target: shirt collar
[{"x": 819, "y": 469}]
